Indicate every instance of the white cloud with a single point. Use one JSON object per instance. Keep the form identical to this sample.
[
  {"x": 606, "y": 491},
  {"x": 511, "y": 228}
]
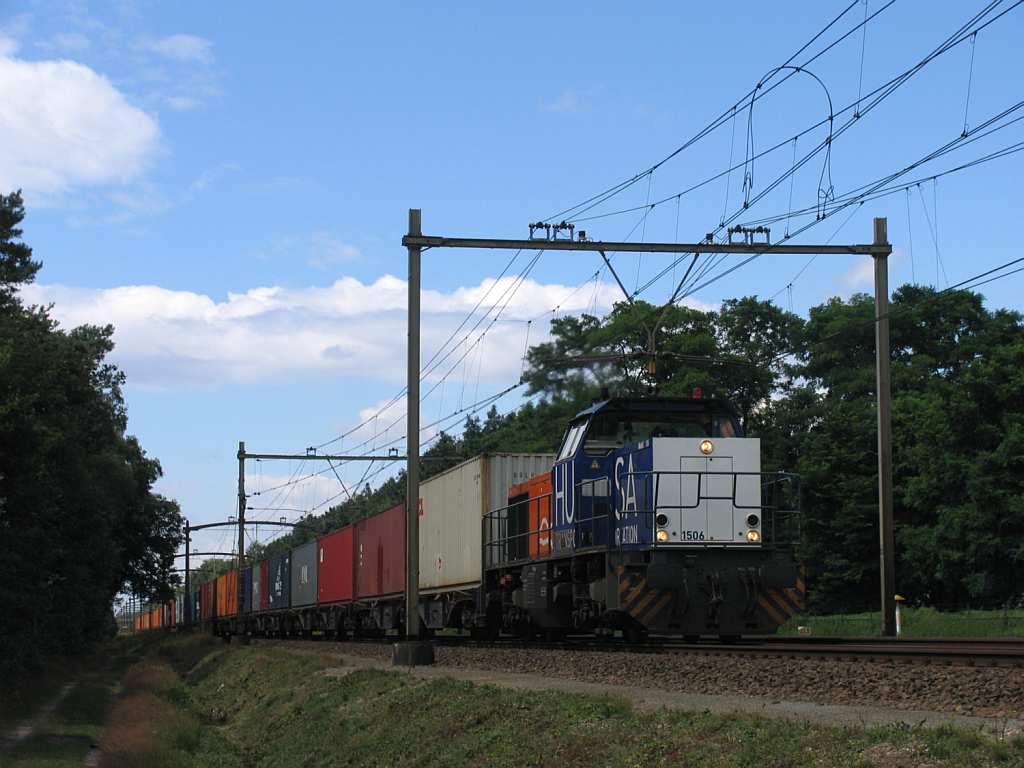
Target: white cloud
[
  {"x": 184, "y": 48},
  {"x": 66, "y": 42},
  {"x": 568, "y": 102},
  {"x": 860, "y": 275},
  {"x": 64, "y": 125},
  {"x": 8, "y": 46},
  {"x": 273, "y": 495},
  {"x": 571, "y": 100},
  {"x": 320, "y": 248},
  {"x": 328, "y": 251},
  {"x": 169, "y": 339},
  {"x": 181, "y": 103}
]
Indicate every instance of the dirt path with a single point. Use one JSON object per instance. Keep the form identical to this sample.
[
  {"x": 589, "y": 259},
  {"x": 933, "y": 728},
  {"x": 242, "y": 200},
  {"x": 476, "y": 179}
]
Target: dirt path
[{"x": 28, "y": 728}]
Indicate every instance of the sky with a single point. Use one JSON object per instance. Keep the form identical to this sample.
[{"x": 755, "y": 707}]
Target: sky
[{"x": 228, "y": 185}]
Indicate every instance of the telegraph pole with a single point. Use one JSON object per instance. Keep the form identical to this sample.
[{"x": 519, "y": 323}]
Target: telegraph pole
[
  {"x": 883, "y": 355},
  {"x": 412, "y": 439},
  {"x": 241, "y": 523},
  {"x": 188, "y": 581},
  {"x": 413, "y": 652}
]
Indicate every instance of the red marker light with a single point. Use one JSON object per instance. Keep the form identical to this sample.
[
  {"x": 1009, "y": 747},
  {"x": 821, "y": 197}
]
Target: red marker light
[{"x": 697, "y": 393}]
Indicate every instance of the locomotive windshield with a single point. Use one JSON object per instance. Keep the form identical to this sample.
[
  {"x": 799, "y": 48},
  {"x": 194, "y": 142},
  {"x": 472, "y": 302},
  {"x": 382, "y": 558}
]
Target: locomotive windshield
[
  {"x": 613, "y": 430},
  {"x": 613, "y": 427}
]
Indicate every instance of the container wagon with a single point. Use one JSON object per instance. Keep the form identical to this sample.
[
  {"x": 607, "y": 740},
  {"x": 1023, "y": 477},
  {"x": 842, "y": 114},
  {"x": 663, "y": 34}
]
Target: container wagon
[{"x": 654, "y": 515}]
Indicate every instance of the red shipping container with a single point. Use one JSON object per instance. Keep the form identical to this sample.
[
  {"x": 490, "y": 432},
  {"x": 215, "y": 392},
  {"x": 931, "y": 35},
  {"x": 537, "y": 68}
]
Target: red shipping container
[
  {"x": 380, "y": 553},
  {"x": 208, "y": 600},
  {"x": 265, "y": 585},
  {"x": 335, "y": 569}
]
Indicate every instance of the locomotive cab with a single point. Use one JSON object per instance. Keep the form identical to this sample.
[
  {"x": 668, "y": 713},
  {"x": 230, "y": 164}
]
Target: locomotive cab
[
  {"x": 663, "y": 472},
  {"x": 656, "y": 517}
]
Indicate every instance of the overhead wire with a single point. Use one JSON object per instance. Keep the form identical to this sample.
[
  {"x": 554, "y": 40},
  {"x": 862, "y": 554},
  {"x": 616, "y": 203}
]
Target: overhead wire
[
  {"x": 882, "y": 92},
  {"x": 752, "y": 95},
  {"x": 897, "y": 81},
  {"x": 840, "y": 206}
]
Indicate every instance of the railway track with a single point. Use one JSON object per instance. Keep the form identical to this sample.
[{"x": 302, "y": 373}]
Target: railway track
[{"x": 942, "y": 651}]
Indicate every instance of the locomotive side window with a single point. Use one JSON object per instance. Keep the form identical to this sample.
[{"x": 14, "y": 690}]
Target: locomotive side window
[{"x": 572, "y": 441}]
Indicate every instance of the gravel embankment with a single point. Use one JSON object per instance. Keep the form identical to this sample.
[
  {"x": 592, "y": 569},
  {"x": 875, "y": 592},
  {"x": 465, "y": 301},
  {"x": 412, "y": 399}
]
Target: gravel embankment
[{"x": 980, "y": 691}]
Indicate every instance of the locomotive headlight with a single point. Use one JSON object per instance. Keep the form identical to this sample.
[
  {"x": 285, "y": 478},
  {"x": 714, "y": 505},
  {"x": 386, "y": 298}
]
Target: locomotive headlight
[
  {"x": 706, "y": 447},
  {"x": 661, "y": 519},
  {"x": 662, "y": 534},
  {"x": 752, "y": 521},
  {"x": 753, "y": 536}
]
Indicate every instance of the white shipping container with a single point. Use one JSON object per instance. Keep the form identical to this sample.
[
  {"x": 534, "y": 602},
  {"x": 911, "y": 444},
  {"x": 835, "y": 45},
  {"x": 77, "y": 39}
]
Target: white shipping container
[{"x": 452, "y": 506}]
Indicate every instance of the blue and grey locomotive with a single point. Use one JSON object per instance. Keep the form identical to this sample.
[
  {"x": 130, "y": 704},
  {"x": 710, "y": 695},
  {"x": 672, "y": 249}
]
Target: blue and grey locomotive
[{"x": 655, "y": 518}]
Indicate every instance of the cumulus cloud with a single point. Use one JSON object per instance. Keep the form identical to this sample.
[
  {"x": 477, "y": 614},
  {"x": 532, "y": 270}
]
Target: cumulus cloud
[
  {"x": 861, "y": 275},
  {"x": 170, "y": 338},
  {"x": 181, "y": 103},
  {"x": 570, "y": 101},
  {"x": 311, "y": 486},
  {"x": 66, "y": 42},
  {"x": 64, "y": 125},
  {"x": 183, "y": 48},
  {"x": 328, "y": 251},
  {"x": 567, "y": 102}
]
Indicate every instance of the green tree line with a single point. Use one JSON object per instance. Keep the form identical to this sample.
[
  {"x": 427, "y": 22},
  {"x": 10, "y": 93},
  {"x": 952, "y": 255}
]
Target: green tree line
[
  {"x": 807, "y": 389},
  {"x": 79, "y": 521}
]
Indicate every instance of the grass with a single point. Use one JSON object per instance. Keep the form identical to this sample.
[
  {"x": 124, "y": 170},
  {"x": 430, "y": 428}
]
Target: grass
[
  {"x": 191, "y": 702},
  {"x": 275, "y": 708},
  {"x": 917, "y": 623},
  {"x": 25, "y": 693},
  {"x": 65, "y": 736}
]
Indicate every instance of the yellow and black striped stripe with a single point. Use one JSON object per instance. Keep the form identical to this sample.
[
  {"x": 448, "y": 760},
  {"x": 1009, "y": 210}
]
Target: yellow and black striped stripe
[
  {"x": 779, "y": 605},
  {"x": 640, "y": 601}
]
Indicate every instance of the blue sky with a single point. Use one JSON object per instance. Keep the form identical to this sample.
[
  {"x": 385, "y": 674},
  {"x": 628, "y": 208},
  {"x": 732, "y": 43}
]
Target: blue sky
[{"x": 229, "y": 183}]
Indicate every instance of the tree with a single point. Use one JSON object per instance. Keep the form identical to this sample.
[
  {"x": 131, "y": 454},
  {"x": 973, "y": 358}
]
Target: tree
[
  {"x": 78, "y": 518},
  {"x": 16, "y": 265},
  {"x": 958, "y": 410}
]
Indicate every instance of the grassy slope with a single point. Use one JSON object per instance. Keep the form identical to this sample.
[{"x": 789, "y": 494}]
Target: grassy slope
[
  {"x": 278, "y": 709},
  {"x": 192, "y": 702},
  {"x": 917, "y": 622}
]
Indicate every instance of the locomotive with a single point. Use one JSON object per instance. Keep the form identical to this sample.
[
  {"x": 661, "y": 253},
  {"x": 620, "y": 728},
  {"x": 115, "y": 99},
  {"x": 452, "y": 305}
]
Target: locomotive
[{"x": 654, "y": 517}]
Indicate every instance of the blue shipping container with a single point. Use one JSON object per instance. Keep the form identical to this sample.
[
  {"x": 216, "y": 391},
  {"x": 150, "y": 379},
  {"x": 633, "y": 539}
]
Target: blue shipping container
[
  {"x": 279, "y": 591},
  {"x": 247, "y": 590},
  {"x": 195, "y": 607}
]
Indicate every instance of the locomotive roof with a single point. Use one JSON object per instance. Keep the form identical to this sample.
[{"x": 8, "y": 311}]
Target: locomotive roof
[{"x": 649, "y": 405}]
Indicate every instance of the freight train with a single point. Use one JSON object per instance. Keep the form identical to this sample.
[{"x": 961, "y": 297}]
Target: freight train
[{"x": 654, "y": 517}]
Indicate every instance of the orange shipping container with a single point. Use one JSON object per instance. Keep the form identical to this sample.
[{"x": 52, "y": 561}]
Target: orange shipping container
[
  {"x": 530, "y": 518},
  {"x": 227, "y": 594}
]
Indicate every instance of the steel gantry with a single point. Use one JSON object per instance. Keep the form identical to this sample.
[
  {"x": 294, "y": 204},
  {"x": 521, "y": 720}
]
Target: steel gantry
[{"x": 879, "y": 249}]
